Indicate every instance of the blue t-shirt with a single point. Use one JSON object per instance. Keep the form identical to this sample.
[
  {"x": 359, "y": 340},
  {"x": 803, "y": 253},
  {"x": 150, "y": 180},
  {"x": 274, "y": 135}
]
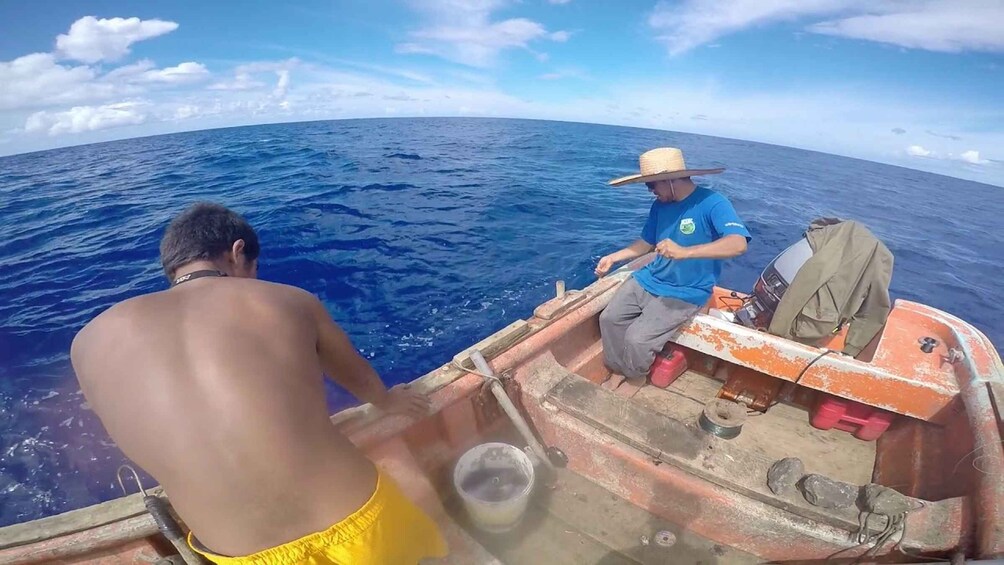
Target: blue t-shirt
[{"x": 702, "y": 217}]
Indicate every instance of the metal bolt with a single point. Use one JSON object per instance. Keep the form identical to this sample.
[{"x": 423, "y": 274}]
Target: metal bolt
[{"x": 954, "y": 356}]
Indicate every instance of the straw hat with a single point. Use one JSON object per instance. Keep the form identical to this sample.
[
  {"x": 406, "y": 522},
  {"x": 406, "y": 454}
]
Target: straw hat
[{"x": 664, "y": 163}]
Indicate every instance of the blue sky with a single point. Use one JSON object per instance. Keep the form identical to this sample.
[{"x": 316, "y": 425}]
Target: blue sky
[{"x": 915, "y": 83}]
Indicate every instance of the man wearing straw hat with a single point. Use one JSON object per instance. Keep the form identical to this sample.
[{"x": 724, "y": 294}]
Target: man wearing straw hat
[{"x": 693, "y": 230}]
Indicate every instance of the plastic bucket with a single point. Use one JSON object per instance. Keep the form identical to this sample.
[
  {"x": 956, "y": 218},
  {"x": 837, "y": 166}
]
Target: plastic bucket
[{"x": 494, "y": 481}]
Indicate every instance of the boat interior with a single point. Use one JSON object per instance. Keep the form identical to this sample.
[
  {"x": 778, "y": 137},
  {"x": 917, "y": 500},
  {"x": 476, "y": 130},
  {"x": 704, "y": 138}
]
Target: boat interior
[{"x": 644, "y": 448}]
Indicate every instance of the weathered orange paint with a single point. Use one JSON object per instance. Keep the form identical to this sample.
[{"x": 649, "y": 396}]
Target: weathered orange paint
[{"x": 892, "y": 386}]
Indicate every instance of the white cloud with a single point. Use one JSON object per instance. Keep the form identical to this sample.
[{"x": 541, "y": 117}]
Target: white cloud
[
  {"x": 558, "y": 2},
  {"x": 464, "y": 32},
  {"x": 241, "y": 81},
  {"x": 691, "y": 23},
  {"x": 87, "y": 118},
  {"x": 37, "y": 80},
  {"x": 833, "y": 118},
  {"x": 91, "y": 40},
  {"x": 972, "y": 156},
  {"x": 248, "y": 76},
  {"x": 186, "y": 111},
  {"x": 830, "y": 119},
  {"x": 184, "y": 73},
  {"x": 935, "y": 25},
  {"x": 282, "y": 85},
  {"x": 129, "y": 72}
]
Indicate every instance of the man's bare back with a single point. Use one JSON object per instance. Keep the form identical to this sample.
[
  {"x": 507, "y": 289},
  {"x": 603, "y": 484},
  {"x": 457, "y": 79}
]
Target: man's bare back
[{"x": 215, "y": 388}]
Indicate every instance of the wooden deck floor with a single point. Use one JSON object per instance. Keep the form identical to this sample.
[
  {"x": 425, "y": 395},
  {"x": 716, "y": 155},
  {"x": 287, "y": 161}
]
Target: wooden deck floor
[{"x": 576, "y": 522}]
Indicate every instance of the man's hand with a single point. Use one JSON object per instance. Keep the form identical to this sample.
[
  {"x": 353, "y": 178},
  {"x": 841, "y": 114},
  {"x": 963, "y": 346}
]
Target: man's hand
[
  {"x": 671, "y": 249},
  {"x": 401, "y": 399},
  {"x": 603, "y": 267}
]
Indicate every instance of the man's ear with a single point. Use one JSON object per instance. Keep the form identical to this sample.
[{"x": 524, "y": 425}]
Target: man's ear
[{"x": 236, "y": 251}]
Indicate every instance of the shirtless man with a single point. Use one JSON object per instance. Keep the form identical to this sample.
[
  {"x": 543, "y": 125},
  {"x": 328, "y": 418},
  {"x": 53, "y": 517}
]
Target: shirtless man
[{"x": 215, "y": 388}]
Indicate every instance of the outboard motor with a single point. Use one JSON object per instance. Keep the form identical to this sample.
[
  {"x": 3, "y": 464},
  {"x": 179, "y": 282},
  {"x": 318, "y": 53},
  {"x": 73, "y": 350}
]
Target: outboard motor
[{"x": 757, "y": 311}]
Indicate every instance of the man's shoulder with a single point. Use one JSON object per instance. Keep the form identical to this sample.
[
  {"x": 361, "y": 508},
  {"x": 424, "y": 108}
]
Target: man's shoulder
[
  {"x": 114, "y": 320},
  {"x": 277, "y": 289},
  {"x": 139, "y": 309},
  {"x": 711, "y": 197}
]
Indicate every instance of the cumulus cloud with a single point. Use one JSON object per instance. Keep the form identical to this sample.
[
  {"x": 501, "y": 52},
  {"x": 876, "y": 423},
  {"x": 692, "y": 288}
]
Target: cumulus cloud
[
  {"x": 241, "y": 81},
  {"x": 37, "y": 80},
  {"x": 41, "y": 80},
  {"x": 87, "y": 118},
  {"x": 144, "y": 72},
  {"x": 186, "y": 111},
  {"x": 249, "y": 76},
  {"x": 934, "y": 25},
  {"x": 91, "y": 40},
  {"x": 184, "y": 73},
  {"x": 464, "y": 32},
  {"x": 973, "y": 156}
]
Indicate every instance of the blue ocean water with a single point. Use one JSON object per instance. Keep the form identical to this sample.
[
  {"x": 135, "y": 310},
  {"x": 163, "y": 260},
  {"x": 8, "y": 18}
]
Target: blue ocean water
[{"x": 421, "y": 235}]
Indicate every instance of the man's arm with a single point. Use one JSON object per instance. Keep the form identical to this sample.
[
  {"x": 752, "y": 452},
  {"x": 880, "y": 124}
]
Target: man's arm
[
  {"x": 633, "y": 251},
  {"x": 726, "y": 247},
  {"x": 344, "y": 365}
]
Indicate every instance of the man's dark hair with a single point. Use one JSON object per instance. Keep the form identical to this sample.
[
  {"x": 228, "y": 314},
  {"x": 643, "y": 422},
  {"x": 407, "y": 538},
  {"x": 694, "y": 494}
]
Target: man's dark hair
[{"x": 205, "y": 231}]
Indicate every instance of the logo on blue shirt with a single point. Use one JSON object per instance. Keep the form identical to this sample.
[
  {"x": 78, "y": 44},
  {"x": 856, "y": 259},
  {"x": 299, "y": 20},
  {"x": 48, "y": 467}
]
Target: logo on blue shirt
[{"x": 687, "y": 226}]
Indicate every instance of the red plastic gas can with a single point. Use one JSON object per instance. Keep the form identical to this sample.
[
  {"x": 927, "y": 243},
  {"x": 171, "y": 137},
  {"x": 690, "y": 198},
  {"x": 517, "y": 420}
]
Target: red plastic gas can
[
  {"x": 866, "y": 422},
  {"x": 669, "y": 364}
]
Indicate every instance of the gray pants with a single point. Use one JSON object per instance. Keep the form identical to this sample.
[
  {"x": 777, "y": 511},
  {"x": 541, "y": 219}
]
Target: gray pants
[{"x": 636, "y": 325}]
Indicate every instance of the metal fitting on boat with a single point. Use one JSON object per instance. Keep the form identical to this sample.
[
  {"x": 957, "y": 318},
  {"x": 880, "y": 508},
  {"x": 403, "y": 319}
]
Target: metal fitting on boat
[
  {"x": 927, "y": 344},
  {"x": 954, "y": 356},
  {"x": 665, "y": 538},
  {"x": 722, "y": 418}
]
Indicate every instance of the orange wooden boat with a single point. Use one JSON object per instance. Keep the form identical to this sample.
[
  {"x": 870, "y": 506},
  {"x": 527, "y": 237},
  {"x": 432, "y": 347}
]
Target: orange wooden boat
[{"x": 638, "y": 464}]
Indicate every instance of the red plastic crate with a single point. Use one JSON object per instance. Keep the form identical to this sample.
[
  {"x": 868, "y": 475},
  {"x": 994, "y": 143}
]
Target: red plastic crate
[{"x": 865, "y": 422}]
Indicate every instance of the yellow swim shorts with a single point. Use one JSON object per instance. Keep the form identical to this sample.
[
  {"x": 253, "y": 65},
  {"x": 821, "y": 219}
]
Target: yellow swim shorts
[{"x": 388, "y": 530}]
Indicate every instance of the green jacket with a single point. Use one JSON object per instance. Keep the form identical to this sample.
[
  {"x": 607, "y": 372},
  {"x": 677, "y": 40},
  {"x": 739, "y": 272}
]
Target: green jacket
[{"x": 846, "y": 280}]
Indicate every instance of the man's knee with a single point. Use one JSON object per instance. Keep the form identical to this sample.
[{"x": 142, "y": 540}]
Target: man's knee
[
  {"x": 635, "y": 337},
  {"x": 639, "y": 350},
  {"x": 606, "y": 318}
]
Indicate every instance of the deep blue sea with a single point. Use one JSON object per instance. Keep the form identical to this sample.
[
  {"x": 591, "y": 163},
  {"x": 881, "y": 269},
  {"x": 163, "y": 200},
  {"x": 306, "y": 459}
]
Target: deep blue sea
[{"x": 422, "y": 236}]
